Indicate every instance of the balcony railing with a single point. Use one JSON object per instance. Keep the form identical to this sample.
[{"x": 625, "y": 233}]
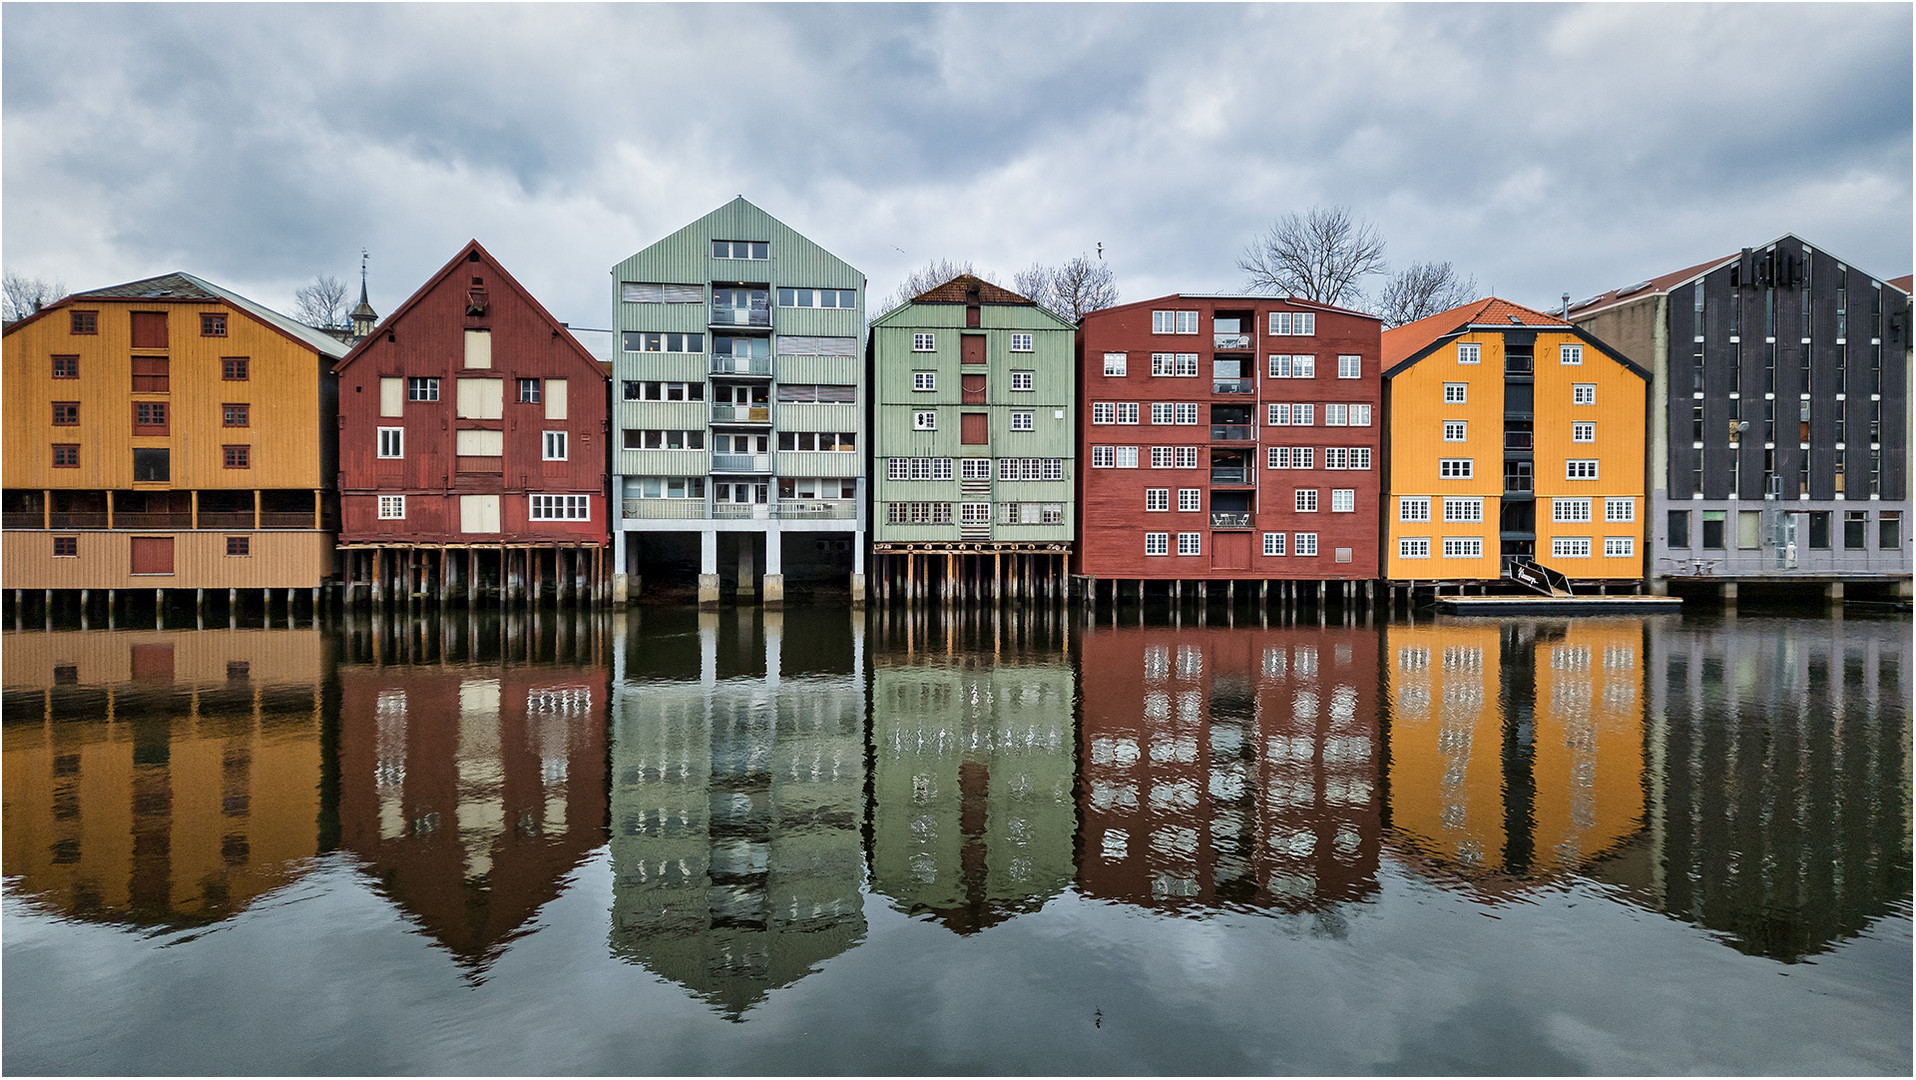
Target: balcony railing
[
  {"x": 741, "y": 414},
  {"x": 1230, "y": 432},
  {"x": 741, "y": 365},
  {"x": 741, "y": 463},
  {"x": 28, "y": 519},
  {"x": 1229, "y": 474},
  {"x": 287, "y": 519},
  {"x": 163, "y": 520},
  {"x": 1231, "y": 341},
  {"x": 741, "y": 510},
  {"x": 732, "y": 316},
  {"x": 1517, "y": 440},
  {"x": 1233, "y": 386},
  {"x": 75, "y": 519},
  {"x": 227, "y": 519},
  {"x": 814, "y": 509},
  {"x": 1519, "y": 365},
  {"x": 663, "y": 508},
  {"x": 1230, "y": 519}
]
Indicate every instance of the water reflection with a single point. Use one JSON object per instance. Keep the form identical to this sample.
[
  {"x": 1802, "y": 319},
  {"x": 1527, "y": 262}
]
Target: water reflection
[
  {"x": 738, "y": 799},
  {"x": 1230, "y": 767},
  {"x": 161, "y": 778}
]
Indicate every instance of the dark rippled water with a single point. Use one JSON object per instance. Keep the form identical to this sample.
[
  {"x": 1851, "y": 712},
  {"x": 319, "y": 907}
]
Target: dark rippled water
[{"x": 826, "y": 843}]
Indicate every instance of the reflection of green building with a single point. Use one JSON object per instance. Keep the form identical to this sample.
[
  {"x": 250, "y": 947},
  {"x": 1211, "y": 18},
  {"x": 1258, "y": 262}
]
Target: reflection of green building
[
  {"x": 973, "y": 817},
  {"x": 737, "y": 851},
  {"x": 1778, "y": 758}
]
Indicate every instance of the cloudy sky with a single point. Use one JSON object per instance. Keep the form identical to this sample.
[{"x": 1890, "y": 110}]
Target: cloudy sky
[{"x": 1544, "y": 149}]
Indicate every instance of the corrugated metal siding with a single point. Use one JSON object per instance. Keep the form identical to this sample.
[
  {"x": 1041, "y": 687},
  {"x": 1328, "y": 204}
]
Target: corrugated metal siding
[
  {"x": 664, "y": 463},
  {"x": 664, "y": 416},
  {"x": 278, "y": 560},
  {"x": 802, "y": 463}
]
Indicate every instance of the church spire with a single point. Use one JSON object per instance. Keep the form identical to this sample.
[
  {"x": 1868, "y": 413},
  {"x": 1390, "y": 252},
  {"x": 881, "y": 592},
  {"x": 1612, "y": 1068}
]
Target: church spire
[{"x": 363, "y": 316}]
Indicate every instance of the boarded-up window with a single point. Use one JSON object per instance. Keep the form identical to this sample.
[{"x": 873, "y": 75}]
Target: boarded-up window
[
  {"x": 555, "y": 399},
  {"x": 972, "y": 349},
  {"x": 974, "y": 389},
  {"x": 478, "y": 348},
  {"x": 151, "y": 663},
  {"x": 482, "y": 399},
  {"x": 481, "y": 443},
  {"x": 479, "y": 513},
  {"x": 149, "y": 329},
  {"x": 799, "y": 345},
  {"x": 392, "y": 396},
  {"x": 974, "y": 429},
  {"x": 1749, "y": 529},
  {"x": 150, "y": 374},
  {"x": 152, "y": 554},
  {"x": 653, "y": 292}
]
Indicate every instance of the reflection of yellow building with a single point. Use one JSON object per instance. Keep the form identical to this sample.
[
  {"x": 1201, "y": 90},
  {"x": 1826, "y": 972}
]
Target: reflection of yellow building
[
  {"x": 160, "y": 777},
  {"x": 1516, "y": 749}
]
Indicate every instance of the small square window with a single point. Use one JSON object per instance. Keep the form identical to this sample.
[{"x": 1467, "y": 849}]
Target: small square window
[
  {"x": 1583, "y": 431},
  {"x": 924, "y": 421},
  {"x": 213, "y": 324},
  {"x": 66, "y": 413},
  {"x": 528, "y": 391},
  {"x": 66, "y": 455},
  {"x": 1157, "y": 543},
  {"x": 924, "y": 342},
  {"x": 1305, "y": 501},
  {"x": 924, "y": 380},
  {"x": 1350, "y": 367},
  {"x": 149, "y": 418},
  {"x": 233, "y": 368},
  {"x": 1570, "y": 355},
  {"x": 1021, "y": 343},
  {"x": 422, "y": 389},
  {"x": 1157, "y": 499},
  {"x": 85, "y": 322},
  {"x": 1114, "y": 364},
  {"x": 237, "y": 457},
  {"x": 1021, "y": 421},
  {"x": 1454, "y": 430},
  {"x": 66, "y": 547},
  {"x": 1456, "y": 393},
  {"x": 1469, "y": 353},
  {"x": 392, "y": 442},
  {"x": 234, "y": 415},
  {"x": 239, "y": 546},
  {"x": 392, "y": 508},
  {"x": 1583, "y": 394},
  {"x": 1190, "y": 543},
  {"x": 1022, "y": 380},
  {"x": 555, "y": 446},
  {"x": 66, "y": 367}
]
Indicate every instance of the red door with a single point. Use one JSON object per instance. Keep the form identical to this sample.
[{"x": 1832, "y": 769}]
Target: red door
[
  {"x": 973, "y": 387},
  {"x": 152, "y": 554},
  {"x": 1230, "y": 550},
  {"x": 973, "y": 429},
  {"x": 973, "y": 350}
]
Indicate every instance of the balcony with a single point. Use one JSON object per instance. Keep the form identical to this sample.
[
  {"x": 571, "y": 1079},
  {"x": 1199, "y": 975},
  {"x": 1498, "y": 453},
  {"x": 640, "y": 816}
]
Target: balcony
[
  {"x": 164, "y": 519},
  {"x": 1231, "y": 432},
  {"x": 736, "y": 316},
  {"x": 221, "y": 519},
  {"x": 817, "y": 509},
  {"x": 679, "y": 509},
  {"x": 1230, "y": 474},
  {"x": 754, "y": 464},
  {"x": 1517, "y": 440},
  {"x": 285, "y": 519},
  {"x": 741, "y": 510},
  {"x": 1230, "y": 519},
  {"x": 30, "y": 519},
  {"x": 1519, "y": 365},
  {"x": 72, "y": 519},
  {"x": 1233, "y": 386},
  {"x": 1239, "y": 342},
  {"x": 741, "y": 414},
  {"x": 760, "y": 366}
]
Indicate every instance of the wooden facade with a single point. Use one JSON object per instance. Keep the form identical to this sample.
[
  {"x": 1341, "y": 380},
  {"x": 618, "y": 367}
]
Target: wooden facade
[
  {"x": 137, "y": 419},
  {"x": 1229, "y": 438},
  {"x": 472, "y": 431}
]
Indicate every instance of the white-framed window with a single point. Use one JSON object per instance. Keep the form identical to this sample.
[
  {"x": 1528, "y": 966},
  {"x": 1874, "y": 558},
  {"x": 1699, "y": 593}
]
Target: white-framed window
[
  {"x": 741, "y": 249},
  {"x": 1304, "y": 500},
  {"x": 1127, "y": 412},
  {"x": 1619, "y": 547},
  {"x": 1463, "y": 547},
  {"x": 1190, "y": 500},
  {"x": 1023, "y": 380},
  {"x": 924, "y": 343},
  {"x": 1157, "y": 499},
  {"x": 1455, "y": 430},
  {"x": 1468, "y": 353},
  {"x": 1174, "y": 322},
  {"x": 1620, "y": 509},
  {"x": 1031, "y": 513},
  {"x": 1303, "y": 415},
  {"x": 1114, "y": 363},
  {"x": 422, "y": 389},
  {"x": 1293, "y": 323},
  {"x": 1583, "y": 431},
  {"x": 1456, "y": 393},
  {"x": 1273, "y": 543},
  {"x": 1157, "y": 543},
  {"x": 1020, "y": 343},
  {"x": 971, "y": 468},
  {"x": 924, "y": 380},
  {"x": 1127, "y": 457},
  {"x": 1360, "y": 414},
  {"x": 1187, "y": 412},
  {"x": 918, "y": 469},
  {"x": 392, "y": 508},
  {"x": 1030, "y": 468},
  {"x": 392, "y": 442},
  {"x": 1570, "y": 355},
  {"x": 1413, "y": 508},
  {"x": 974, "y": 513},
  {"x": 1161, "y": 457},
  {"x": 1103, "y": 457},
  {"x": 1278, "y": 414},
  {"x": 924, "y": 420},
  {"x": 1190, "y": 543},
  {"x": 1580, "y": 469},
  {"x": 1277, "y": 457},
  {"x": 818, "y": 298},
  {"x": 555, "y": 446},
  {"x": 1293, "y": 366},
  {"x": 1186, "y": 457},
  {"x": 1562, "y": 510},
  {"x": 641, "y": 341},
  {"x": 561, "y": 507},
  {"x": 1413, "y": 547},
  {"x": 1337, "y": 457},
  {"x": 1162, "y": 412},
  {"x": 1343, "y": 500},
  {"x": 1304, "y": 543},
  {"x": 1188, "y": 365},
  {"x": 1350, "y": 367},
  {"x": 1291, "y": 457},
  {"x": 1453, "y": 468},
  {"x": 1104, "y": 412},
  {"x": 1463, "y": 509},
  {"x": 1336, "y": 415},
  {"x": 1021, "y": 421},
  {"x": 1583, "y": 393},
  {"x": 1570, "y": 547}
]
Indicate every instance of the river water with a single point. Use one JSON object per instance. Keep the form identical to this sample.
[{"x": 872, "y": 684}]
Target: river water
[{"x": 832, "y": 842}]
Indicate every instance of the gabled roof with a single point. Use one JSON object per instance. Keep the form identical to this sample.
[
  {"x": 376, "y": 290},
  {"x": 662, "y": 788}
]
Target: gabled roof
[
  {"x": 559, "y": 329},
  {"x": 181, "y": 287},
  {"x": 1411, "y": 342},
  {"x": 1664, "y": 283},
  {"x": 739, "y": 219},
  {"x": 957, "y": 291},
  {"x": 1247, "y": 299},
  {"x": 1902, "y": 284}
]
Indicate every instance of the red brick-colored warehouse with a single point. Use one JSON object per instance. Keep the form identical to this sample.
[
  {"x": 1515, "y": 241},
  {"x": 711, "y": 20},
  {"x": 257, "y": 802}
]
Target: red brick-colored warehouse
[
  {"x": 472, "y": 431},
  {"x": 1229, "y": 439}
]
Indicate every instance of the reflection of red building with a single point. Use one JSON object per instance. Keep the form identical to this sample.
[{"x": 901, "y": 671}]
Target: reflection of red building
[
  {"x": 1230, "y": 766},
  {"x": 470, "y": 795}
]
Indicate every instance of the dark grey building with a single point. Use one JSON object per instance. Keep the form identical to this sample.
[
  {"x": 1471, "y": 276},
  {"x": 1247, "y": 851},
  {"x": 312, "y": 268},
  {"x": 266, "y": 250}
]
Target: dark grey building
[{"x": 1779, "y": 417}]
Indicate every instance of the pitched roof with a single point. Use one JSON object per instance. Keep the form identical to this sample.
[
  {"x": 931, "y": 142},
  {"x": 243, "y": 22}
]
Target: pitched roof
[
  {"x": 174, "y": 286},
  {"x": 1248, "y": 299},
  {"x": 180, "y": 286},
  {"x": 1403, "y": 342},
  {"x": 958, "y": 289},
  {"x": 1641, "y": 289},
  {"x": 1903, "y": 282}
]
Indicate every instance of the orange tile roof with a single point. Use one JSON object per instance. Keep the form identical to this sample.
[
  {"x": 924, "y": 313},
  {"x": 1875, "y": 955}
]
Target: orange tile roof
[{"x": 1402, "y": 342}]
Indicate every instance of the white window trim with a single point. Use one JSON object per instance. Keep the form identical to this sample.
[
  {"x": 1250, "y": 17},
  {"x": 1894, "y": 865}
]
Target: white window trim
[
  {"x": 1404, "y": 550},
  {"x": 394, "y": 501},
  {"x": 1021, "y": 342},
  {"x": 1406, "y": 502},
  {"x": 924, "y": 381},
  {"x": 546, "y": 445},
  {"x": 924, "y": 343},
  {"x": 398, "y": 435},
  {"x": 924, "y": 420}
]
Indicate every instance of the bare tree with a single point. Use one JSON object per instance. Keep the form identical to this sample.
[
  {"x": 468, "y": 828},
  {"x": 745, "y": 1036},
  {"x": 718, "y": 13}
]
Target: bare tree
[
  {"x": 1073, "y": 289},
  {"x": 23, "y": 295},
  {"x": 321, "y": 304},
  {"x": 1423, "y": 289},
  {"x": 1322, "y": 255},
  {"x": 929, "y": 276}
]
